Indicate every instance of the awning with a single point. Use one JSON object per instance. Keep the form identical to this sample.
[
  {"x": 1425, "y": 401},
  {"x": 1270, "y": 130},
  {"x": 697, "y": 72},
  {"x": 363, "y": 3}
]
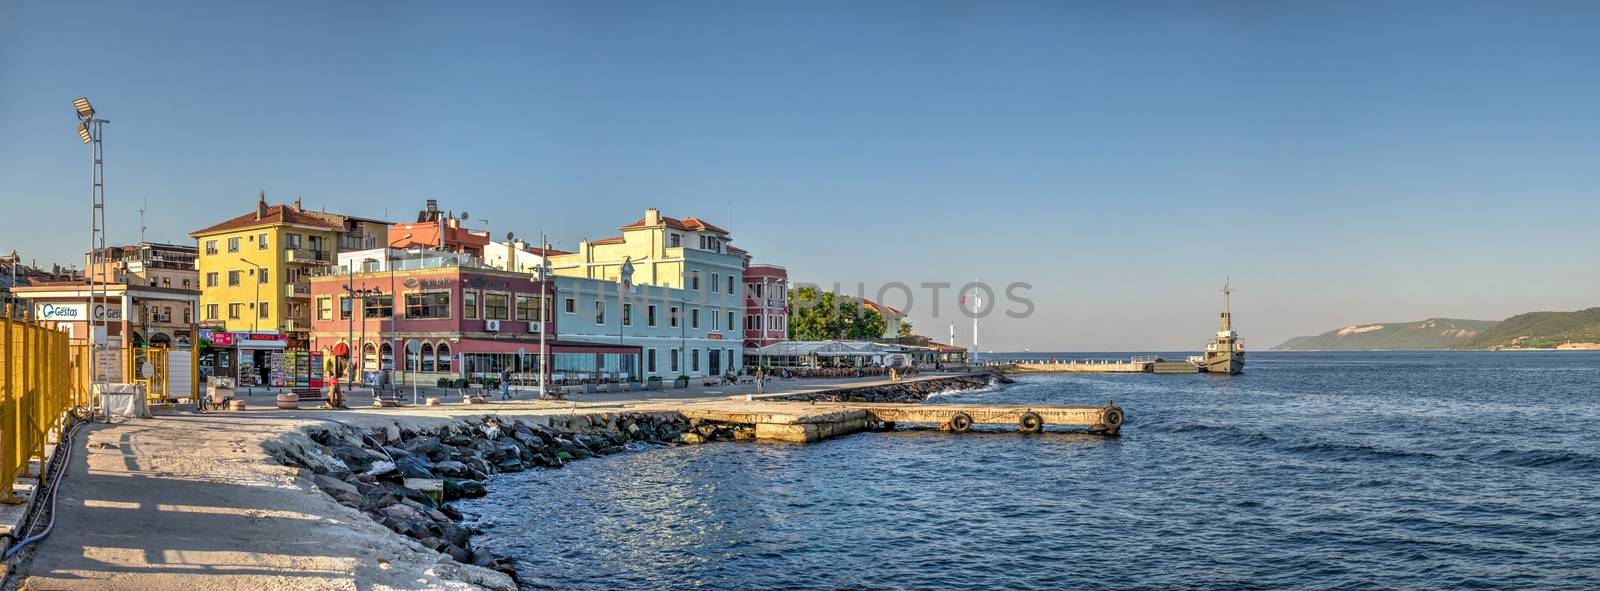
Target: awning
[
  {"x": 531, "y": 347},
  {"x": 341, "y": 350}
]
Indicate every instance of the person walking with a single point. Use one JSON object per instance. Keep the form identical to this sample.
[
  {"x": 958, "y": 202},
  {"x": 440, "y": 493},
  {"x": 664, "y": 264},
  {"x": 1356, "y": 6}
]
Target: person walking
[{"x": 505, "y": 383}]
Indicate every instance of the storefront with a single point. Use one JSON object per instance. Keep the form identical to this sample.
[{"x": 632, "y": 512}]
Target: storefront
[{"x": 263, "y": 359}]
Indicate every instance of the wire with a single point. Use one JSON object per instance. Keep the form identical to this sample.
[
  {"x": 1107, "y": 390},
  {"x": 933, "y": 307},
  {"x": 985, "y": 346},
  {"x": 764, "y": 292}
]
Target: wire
[{"x": 67, "y": 443}]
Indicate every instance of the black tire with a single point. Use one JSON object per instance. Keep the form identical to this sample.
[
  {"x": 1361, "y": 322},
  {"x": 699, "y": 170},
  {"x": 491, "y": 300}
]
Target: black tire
[
  {"x": 960, "y": 422},
  {"x": 1030, "y": 422},
  {"x": 1111, "y": 418}
]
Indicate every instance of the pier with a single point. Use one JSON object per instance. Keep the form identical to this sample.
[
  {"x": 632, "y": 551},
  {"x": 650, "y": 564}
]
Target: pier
[
  {"x": 1136, "y": 364},
  {"x": 811, "y": 422}
]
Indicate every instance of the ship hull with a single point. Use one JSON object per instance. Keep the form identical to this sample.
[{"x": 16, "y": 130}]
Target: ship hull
[{"x": 1225, "y": 364}]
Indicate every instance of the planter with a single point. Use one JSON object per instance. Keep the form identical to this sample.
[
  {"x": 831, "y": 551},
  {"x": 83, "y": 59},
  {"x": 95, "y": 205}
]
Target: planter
[
  {"x": 653, "y": 384},
  {"x": 588, "y": 388},
  {"x": 681, "y": 382},
  {"x": 288, "y": 401}
]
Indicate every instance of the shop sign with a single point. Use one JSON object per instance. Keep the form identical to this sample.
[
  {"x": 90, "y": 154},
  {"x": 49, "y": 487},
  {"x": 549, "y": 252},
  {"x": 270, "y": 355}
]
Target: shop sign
[{"x": 71, "y": 312}]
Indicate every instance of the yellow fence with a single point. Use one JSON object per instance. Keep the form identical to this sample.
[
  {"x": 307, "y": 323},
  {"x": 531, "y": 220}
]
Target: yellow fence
[{"x": 37, "y": 385}]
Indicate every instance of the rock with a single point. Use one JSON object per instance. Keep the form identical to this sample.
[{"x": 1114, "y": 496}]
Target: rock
[
  {"x": 450, "y": 468},
  {"x": 422, "y": 445},
  {"x": 413, "y": 467},
  {"x": 456, "y": 488},
  {"x": 509, "y": 465},
  {"x": 459, "y": 554},
  {"x": 690, "y": 438},
  {"x": 334, "y": 486},
  {"x": 451, "y": 512}
]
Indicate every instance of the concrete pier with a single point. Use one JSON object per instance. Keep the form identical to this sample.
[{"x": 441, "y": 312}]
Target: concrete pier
[
  {"x": 1141, "y": 364},
  {"x": 807, "y": 423}
]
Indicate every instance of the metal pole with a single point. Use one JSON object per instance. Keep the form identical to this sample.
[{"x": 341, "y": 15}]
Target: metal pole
[{"x": 350, "y": 335}]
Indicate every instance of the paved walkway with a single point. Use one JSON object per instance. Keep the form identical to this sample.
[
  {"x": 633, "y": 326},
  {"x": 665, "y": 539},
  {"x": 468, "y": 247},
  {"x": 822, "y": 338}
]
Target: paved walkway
[{"x": 195, "y": 501}]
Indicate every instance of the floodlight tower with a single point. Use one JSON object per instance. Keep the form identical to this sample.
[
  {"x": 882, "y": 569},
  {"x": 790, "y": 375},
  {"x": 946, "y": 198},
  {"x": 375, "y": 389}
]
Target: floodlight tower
[{"x": 90, "y": 130}]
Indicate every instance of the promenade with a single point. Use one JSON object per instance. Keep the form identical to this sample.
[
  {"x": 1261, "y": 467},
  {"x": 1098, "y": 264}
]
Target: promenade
[{"x": 197, "y": 501}]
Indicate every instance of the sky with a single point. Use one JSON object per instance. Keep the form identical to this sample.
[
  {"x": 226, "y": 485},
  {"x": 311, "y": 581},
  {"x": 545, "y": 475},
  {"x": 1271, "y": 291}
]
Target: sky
[{"x": 1342, "y": 163}]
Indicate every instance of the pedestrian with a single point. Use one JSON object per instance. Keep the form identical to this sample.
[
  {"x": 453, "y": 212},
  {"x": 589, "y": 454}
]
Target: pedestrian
[
  {"x": 505, "y": 383},
  {"x": 761, "y": 381}
]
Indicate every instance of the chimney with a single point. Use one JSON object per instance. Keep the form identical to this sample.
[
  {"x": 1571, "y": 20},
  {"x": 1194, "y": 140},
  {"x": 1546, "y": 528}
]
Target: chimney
[
  {"x": 652, "y": 216},
  {"x": 261, "y": 206},
  {"x": 297, "y": 203}
]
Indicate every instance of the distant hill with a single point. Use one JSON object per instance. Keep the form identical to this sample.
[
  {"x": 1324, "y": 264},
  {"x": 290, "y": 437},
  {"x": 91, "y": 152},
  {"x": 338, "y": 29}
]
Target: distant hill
[
  {"x": 1539, "y": 330},
  {"x": 1433, "y": 333}
]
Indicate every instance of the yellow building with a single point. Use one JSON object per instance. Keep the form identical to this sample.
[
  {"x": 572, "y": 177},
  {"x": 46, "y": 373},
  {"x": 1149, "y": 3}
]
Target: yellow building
[{"x": 254, "y": 279}]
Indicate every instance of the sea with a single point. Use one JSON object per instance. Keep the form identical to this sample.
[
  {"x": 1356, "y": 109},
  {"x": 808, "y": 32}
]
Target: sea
[{"x": 1392, "y": 470}]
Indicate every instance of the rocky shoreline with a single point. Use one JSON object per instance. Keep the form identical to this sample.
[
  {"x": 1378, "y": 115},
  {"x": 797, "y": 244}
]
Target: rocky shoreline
[
  {"x": 389, "y": 473},
  {"x": 914, "y": 391}
]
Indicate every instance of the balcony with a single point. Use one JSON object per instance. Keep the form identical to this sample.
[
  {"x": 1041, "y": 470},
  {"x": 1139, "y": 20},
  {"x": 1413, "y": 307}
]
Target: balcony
[
  {"x": 297, "y": 325},
  {"x": 297, "y": 290},
  {"x": 308, "y": 257}
]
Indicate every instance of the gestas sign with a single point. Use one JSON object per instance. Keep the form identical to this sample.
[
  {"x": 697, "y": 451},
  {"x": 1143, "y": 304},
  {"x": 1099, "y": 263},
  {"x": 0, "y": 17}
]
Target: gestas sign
[{"x": 71, "y": 312}]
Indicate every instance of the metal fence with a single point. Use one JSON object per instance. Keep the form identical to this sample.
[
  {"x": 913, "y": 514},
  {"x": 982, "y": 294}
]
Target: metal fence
[{"x": 37, "y": 385}]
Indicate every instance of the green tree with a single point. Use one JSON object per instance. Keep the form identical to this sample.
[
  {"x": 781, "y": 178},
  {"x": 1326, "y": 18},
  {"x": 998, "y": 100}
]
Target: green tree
[
  {"x": 905, "y": 329},
  {"x": 822, "y": 315}
]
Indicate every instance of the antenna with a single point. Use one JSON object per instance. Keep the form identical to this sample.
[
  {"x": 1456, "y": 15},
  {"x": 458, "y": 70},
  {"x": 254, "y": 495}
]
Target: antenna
[{"x": 144, "y": 203}]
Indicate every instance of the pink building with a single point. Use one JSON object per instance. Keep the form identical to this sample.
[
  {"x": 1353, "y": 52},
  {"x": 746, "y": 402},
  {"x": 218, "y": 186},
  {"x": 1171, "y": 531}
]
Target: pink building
[
  {"x": 766, "y": 309},
  {"x": 456, "y": 319}
]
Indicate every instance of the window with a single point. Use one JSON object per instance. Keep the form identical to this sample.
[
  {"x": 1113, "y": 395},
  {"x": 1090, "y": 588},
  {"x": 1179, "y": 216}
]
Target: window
[
  {"x": 530, "y": 308},
  {"x": 413, "y": 348},
  {"x": 427, "y": 355},
  {"x": 469, "y": 304},
  {"x": 627, "y": 314},
  {"x": 379, "y": 306},
  {"x": 233, "y": 244},
  {"x": 386, "y": 355},
  {"x": 572, "y": 305},
  {"x": 497, "y": 306},
  {"x": 234, "y": 310},
  {"x": 186, "y": 318},
  {"x": 650, "y": 315},
  {"x": 211, "y": 279},
  {"x": 672, "y": 317},
  {"x": 731, "y": 286},
  {"x": 211, "y": 247},
  {"x": 261, "y": 241},
  {"x": 650, "y": 360},
  {"x": 716, "y": 282},
  {"x": 261, "y": 309},
  {"x": 433, "y": 304},
  {"x": 694, "y": 280},
  {"x": 233, "y": 278},
  {"x": 599, "y": 311},
  {"x": 186, "y": 284},
  {"x": 694, "y": 360},
  {"x": 291, "y": 241},
  {"x": 211, "y": 311},
  {"x": 694, "y": 318},
  {"x": 730, "y": 321},
  {"x": 675, "y": 240},
  {"x": 261, "y": 276},
  {"x": 673, "y": 361},
  {"x": 344, "y": 307},
  {"x": 442, "y": 354},
  {"x": 716, "y": 320},
  {"x": 325, "y": 309}
]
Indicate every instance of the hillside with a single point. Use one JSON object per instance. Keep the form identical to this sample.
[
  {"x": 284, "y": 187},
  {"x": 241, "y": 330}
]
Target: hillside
[
  {"x": 1433, "y": 333},
  {"x": 1541, "y": 330}
]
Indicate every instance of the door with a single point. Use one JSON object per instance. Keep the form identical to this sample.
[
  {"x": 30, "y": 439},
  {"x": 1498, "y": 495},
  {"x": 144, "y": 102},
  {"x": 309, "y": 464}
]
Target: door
[{"x": 714, "y": 362}]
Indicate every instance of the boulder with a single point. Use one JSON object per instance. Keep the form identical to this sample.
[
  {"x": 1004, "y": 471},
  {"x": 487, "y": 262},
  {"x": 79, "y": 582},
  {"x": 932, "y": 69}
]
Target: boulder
[
  {"x": 451, "y": 468},
  {"x": 413, "y": 467},
  {"x": 457, "y": 488}
]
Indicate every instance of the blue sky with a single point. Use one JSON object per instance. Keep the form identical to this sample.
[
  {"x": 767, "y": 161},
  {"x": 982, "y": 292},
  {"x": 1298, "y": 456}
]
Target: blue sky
[{"x": 1343, "y": 162}]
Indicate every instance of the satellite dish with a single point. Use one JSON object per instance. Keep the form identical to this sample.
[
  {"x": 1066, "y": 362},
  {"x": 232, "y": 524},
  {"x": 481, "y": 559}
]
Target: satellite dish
[
  {"x": 464, "y": 216},
  {"x": 510, "y": 236}
]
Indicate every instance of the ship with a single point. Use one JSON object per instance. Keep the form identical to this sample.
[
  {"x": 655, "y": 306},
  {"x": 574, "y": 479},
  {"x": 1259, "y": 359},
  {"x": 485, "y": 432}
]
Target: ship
[{"x": 1225, "y": 353}]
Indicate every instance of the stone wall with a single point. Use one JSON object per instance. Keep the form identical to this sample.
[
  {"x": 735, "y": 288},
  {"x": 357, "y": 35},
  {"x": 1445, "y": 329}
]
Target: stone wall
[{"x": 910, "y": 391}]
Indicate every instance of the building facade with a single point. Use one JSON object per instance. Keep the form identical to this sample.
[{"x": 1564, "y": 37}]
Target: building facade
[
  {"x": 253, "y": 273},
  {"x": 438, "y": 230},
  {"x": 675, "y": 285},
  {"x": 766, "y": 310},
  {"x": 448, "y": 315}
]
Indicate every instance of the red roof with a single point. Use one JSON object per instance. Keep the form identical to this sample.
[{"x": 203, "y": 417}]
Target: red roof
[
  {"x": 882, "y": 309},
  {"x": 692, "y": 224},
  {"x": 611, "y": 240},
  {"x": 275, "y": 214}
]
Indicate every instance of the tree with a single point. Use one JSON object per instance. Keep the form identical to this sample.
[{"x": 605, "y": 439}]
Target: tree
[
  {"x": 822, "y": 315},
  {"x": 905, "y": 329}
]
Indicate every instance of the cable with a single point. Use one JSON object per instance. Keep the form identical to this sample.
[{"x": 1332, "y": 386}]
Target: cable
[{"x": 68, "y": 442}]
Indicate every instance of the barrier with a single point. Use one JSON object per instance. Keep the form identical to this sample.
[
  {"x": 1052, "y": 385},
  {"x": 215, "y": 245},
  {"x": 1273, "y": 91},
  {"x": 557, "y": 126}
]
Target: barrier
[{"x": 36, "y": 390}]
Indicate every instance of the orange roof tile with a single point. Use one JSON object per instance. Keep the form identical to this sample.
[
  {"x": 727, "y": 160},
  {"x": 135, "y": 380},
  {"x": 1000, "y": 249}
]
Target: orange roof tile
[
  {"x": 692, "y": 224},
  {"x": 276, "y": 214}
]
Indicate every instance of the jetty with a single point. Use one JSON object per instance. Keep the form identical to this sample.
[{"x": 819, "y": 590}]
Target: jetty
[{"x": 811, "y": 422}]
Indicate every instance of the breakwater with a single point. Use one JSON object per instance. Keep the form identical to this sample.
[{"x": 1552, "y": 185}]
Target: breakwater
[
  {"x": 406, "y": 478},
  {"x": 908, "y": 391}
]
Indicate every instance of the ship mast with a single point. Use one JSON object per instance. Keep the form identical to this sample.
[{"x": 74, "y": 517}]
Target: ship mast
[{"x": 1227, "y": 320}]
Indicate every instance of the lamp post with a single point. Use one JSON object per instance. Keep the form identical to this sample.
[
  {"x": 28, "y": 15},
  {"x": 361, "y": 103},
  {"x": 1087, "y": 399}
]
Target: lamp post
[
  {"x": 256, "y": 327},
  {"x": 543, "y": 273},
  {"x": 90, "y": 130},
  {"x": 394, "y": 324}
]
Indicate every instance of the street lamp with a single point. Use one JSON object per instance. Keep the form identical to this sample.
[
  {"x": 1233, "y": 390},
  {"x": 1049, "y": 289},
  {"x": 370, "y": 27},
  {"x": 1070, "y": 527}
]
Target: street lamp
[
  {"x": 91, "y": 131},
  {"x": 259, "y": 269},
  {"x": 394, "y": 324}
]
